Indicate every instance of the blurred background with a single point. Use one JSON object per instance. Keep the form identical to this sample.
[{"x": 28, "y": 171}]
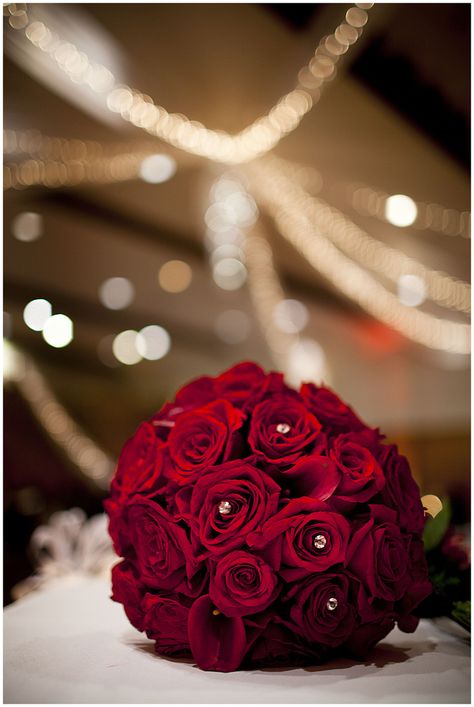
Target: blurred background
[{"x": 189, "y": 186}]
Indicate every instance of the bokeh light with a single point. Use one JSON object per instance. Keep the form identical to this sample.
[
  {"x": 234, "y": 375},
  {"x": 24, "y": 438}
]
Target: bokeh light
[
  {"x": 229, "y": 274},
  {"x": 125, "y": 347},
  {"x": 36, "y": 314},
  {"x": 116, "y": 293},
  {"x": 153, "y": 342},
  {"x": 58, "y": 331},
  {"x": 400, "y": 210},
  {"x": 175, "y": 276},
  {"x": 411, "y": 290},
  {"x": 27, "y": 226},
  {"x": 156, "y": 169}
]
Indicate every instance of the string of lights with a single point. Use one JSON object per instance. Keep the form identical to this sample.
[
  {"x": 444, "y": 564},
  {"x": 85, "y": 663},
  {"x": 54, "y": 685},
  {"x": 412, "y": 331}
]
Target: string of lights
[
  {"x": 80, "y": 449},
  {"x": 283, "y": 200},
  {"x": 60, "y": 162},
  {"x": 281, "y": 320},
  {"x": 239, "y": 252},
  {"x": 46, "y": 147},
  {"x": 55, "y": 173},
  {"x": 178, "y": 130},
  {"x": 266, "y": 292},
  {"x": 373, "y": 254},
  {"x": 365, "y": 199}
]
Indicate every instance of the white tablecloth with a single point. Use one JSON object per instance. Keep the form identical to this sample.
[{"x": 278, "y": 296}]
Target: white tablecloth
[{"x": 71, "y": 644}]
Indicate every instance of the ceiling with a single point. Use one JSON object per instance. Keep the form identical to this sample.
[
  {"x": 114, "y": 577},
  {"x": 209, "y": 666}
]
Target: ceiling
[{"x": 225, "y": 64}]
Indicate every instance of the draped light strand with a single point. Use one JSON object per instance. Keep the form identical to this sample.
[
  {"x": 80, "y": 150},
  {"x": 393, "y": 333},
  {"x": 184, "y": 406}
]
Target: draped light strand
[
  {"x": 55, "y": 174},
  {"x": 430, "y": 216},
  {"x": 140, "y": 110},
  {"x": 82, "y": 451},
  {"x": 33, "y": 143},
  {"x": 59, "y": 162},
  {"x": 266, "y": 292},
  {"x": 367, "y": 200},
  {"x": 283, "y": 200},
  {"x": 442, "y": 288},
  {"x": 240, "y": 252}
]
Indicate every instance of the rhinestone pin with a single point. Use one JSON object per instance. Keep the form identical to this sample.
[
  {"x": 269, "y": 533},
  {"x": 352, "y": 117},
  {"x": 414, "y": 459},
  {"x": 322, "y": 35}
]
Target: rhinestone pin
[
  {"x": 319, "y": 542},
  {"x": 332, "y": 603},
  {"x": 283, "y": 428},
  {"x": 224, "y": 508}
]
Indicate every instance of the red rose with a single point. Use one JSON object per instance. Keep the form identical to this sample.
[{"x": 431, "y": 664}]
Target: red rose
[
  {"x": 240, "y": 381},
  {"x": 203, "y": 437},
  {"x": 282, "y": 430},
  {"x": 377, "y": 555},
  {"x": 166, "y": 622},
  {"x": 226, "y": 504},
  {"x": 140, "y": 465},
  {"x": 361, "y": 474},
  {"x": 127, "y": 590},
  {"x": 320, "y": 609},
  {"x": 164, "y": 555},
  {"x": 305, "y": 536},
  {"x": 218, "y": 642},
  {"x": 331, "y": 411},
  {"x": 242, "y": 584},
  {"x": 197, "y": 393},
  {"x": 401, "y": 491}
]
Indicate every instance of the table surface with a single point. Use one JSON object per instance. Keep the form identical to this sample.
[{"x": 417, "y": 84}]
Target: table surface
[{"x": 70, "y": 643}]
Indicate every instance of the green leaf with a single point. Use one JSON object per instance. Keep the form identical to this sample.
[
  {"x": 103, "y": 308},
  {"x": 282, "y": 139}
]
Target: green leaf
[{"x": 435, "y": 528}]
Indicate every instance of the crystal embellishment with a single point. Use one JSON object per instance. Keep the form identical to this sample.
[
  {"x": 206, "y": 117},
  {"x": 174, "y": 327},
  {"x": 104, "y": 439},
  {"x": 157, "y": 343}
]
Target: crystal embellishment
[
  {"x": 332, "y": 603},
  {"x": 283, "y": 428},
  {"x": 319, "y": 542},
  {"x": 224, "y": 508}
]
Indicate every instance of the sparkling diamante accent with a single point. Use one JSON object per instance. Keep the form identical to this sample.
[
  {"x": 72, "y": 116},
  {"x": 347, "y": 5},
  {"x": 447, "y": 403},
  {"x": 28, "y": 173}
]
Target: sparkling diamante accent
[
  {"x": 224, "y": 508},
  {"x": 319, "y": 542},
  {"x": 283, "y": 428},
  {"x": 332, "y": 603}
]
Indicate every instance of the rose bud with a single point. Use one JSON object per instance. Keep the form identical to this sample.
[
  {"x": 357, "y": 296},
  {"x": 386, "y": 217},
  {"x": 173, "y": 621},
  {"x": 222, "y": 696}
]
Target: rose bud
[
  {"x": 239, "y": 382},
  {"x": 164, "y": 555},
  {"x": 242, "y": 584},
  {"x": 201, "y": 438},
  {"x": 331, "y": 411},
  {"x": 305, "y": 536},
  {"x": 361, "y": 475},
  {"x": 226, "y": 504},
  {"x": 320, "y": 609},
  {"x": 282, "y": 430},
  {"x": 140, "y": 465}
]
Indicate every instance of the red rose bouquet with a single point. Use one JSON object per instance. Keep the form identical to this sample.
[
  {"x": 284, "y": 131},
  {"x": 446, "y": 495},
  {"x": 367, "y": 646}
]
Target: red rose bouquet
[{"x": 263, "y": 526}]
